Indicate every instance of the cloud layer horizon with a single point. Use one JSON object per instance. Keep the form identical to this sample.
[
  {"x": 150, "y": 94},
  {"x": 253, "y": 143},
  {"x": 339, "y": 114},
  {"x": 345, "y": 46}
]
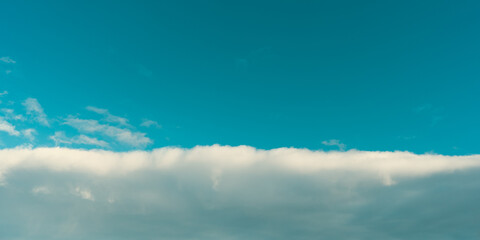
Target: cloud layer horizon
[{"x": 225, "y": 192}]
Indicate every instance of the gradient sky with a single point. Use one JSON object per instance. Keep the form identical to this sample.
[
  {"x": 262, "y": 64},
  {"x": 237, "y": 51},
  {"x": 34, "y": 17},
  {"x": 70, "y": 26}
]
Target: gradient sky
[
  {"x": 353, "y": 80},
  {"x": 376, "y": 76}
]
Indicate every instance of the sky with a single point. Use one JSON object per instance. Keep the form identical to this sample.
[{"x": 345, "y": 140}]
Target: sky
[{"x": 239, "y": 119}]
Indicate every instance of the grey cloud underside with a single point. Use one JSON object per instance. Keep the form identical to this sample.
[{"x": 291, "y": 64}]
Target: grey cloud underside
[{"x": 221, "y": 192}]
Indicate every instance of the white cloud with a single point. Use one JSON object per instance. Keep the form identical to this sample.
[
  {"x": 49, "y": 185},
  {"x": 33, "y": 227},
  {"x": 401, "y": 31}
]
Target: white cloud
[
  {"x": 35, "y": 110},
  {"x": 8, "y": 127},
  {"x": 385, "y": 166},
  {"x": 41, "y": 190},
  {"x": 222, "y": 192},
  {"x": 2, "y": 94},
  {"x": 423, "y": 107},
  {"x": 84, "y": 193},
  {"x": 97, "y": 110},
  {"x": 9, "y": 114},
  {"x": 150, "y": 123},
  {"x": 29, "y": 133},
  {"x": 85, "y": 125},
  {"x": 82, "y": 139},
  {"x": 60, "y": 138},
  {"x": 109, "y": 117},
  {"x": 7, "y": 60},
  {"x": 335, "y": 142},
  {"x": 435, "y": 113},
  {"x": 122, "y": 135}
]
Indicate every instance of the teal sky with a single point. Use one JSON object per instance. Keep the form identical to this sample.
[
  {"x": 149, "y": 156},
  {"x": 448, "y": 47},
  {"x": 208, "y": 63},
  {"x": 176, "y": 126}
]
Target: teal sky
[
  {"x": 229, "y": 120},
  {"x": 375, "y": 76}
]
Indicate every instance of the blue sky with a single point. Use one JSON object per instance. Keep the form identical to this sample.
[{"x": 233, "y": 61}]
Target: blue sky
[
  {"x": 376, "y": 76},
  {"x": 398, "y": 80}
]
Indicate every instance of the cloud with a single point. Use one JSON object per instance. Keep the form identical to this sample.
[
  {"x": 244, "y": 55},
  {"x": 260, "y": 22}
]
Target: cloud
[
  {"x": 125, "y": 136},
  {"x": 109, "y": 117},
  {"x": 384, "y": 166},
  {"x": 8, "y": 128},
  {"x": 35, "y": 110},
  {"x": 82, "y": 139},
  {"x": 7, "y": 60},
  {"x": 254, "y": 58},
  {"x": 2, "y": 94},
  {"x": 434, "y": 113},
  {"x": 84, "y": 194},
  {"x": 223, "y": 192},
  {"x": 29, "y": 134},
  {"x": 150, "y": 123},
  {"x": 9, "y": 114},
  {"x": 40, "y": 190},
  {"x": 97, "y": 110},
  {"x": 60, "y": 138},
  {"x": 335, "y": 142},
  {"x": 423, "y": 108}
]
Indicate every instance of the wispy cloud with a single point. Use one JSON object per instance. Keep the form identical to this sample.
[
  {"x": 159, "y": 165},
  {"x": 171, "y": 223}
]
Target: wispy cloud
[
  {"x": 423, "y": 108},
  {"x": 35, "y": 110},
  {"x": 254, "y": 58},
  {"x": 60, "y": 138},
  {"x": 7, "y": 60},
  {"x": 111, "y": 126},
  {"x": 82, "y": 139},
  {"x": 109, "y": 117},
  {"x": 2, "y": 94},
  {"x": 434, "y": 113},
  {"x": 10, "y": 114},
  {"x": 84, "y": 193},
  {"x": 150, "y": 123},
  {"x": 41, "y": 190},
  {"x": 335, "y": 142},
  {"x": 29, "y": 133},
  {"x": 122, "y": 135},
  {"x": 8, "y": 127}
]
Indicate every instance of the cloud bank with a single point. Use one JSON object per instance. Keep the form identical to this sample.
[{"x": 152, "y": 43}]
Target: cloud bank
[
  {"x": 224, "y": 192},
  {"x": 385, "y": 166}
]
